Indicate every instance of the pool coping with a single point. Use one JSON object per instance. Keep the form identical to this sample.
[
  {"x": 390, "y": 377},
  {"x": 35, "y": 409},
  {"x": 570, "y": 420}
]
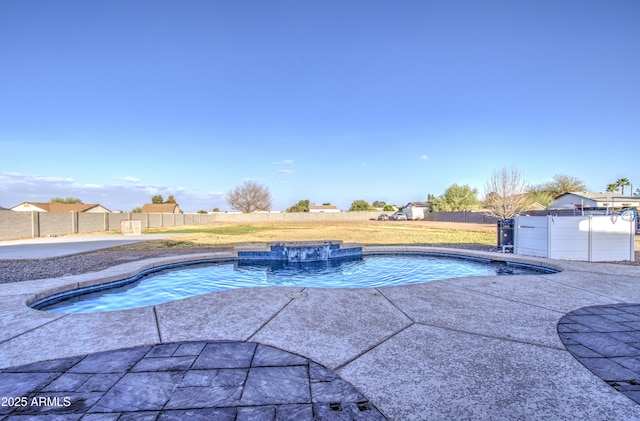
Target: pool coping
[{"x": 367, "y": 337}]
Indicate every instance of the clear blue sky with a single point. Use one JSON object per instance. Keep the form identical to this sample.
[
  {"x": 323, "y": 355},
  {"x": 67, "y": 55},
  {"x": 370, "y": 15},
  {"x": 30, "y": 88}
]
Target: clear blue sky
[{"x": 331, "y": 101}]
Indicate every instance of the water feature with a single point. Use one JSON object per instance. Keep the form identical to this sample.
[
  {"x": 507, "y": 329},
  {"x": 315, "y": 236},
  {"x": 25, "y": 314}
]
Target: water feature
[{"x": 299, "y": 251}]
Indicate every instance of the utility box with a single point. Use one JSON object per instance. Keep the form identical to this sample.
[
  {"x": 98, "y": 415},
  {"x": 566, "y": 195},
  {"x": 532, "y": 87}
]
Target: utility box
[{"x": 505, "y": 233}]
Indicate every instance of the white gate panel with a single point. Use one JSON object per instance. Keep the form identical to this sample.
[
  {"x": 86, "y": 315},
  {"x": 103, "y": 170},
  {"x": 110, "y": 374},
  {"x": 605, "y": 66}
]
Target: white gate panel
[
  {"x": 569, "y": 239},
  {"x": 611, "y": 239},
  {"x": 531, "y": 236}
]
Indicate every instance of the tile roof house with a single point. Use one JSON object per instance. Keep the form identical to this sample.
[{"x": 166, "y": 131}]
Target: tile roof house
[
  {"x": 577, "y": 200},
  {"x": 60, "y": 207},
  {"x": 161, "y": 208}
]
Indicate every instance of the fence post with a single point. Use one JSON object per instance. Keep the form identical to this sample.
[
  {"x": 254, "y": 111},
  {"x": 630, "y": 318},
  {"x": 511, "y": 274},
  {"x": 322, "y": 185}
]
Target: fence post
[
  {"x": 590, "y": 240},
  {"x": 516, "y": 222},
  {"x": 74, "y": 222},
  {"x": 35, "y": 224},
  {"x": 548, "y": 227}
]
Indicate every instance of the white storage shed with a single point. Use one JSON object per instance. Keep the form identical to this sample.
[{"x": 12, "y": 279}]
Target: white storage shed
[
  {"x": 415, "y": 210},
  {"x": 593, "y": 238}
]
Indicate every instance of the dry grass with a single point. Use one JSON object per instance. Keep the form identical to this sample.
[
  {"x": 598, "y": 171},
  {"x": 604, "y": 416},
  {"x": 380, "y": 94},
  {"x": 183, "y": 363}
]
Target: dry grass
[{"x": 446, "y": 234}]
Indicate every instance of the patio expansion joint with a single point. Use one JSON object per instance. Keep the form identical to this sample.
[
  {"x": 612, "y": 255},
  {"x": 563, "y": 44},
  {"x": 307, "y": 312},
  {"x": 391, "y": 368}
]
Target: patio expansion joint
[
  {"x": 414, "y": 322},
  {"x": 500, "y": 338},
  {"x": 155, "y": 319},
  {"x": 488, "y": 294},
  {"x": 24, "y": 332},
  {"x": 372, "y": 347},
  {"x": 273, "y": 316},
  {"x": 616, "y": 300},
  {"x": 379, "y": 291}
]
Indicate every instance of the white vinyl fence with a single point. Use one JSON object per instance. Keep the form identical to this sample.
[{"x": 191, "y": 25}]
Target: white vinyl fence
[{"x": 601, "y": 238}]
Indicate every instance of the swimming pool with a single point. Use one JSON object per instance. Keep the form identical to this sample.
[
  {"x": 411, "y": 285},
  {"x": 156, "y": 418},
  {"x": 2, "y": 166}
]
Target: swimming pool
[{"x": 164, "y": 284}]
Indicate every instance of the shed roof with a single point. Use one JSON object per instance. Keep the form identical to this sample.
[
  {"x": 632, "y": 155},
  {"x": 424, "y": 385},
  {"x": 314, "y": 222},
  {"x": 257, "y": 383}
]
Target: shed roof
[
  {"x": 160, "y": 208},
  {"x": 418, "y": 204}
]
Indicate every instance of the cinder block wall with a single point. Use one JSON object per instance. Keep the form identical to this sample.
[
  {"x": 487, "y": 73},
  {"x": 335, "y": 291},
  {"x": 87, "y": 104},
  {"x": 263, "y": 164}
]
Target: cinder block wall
[
  {"x": 19, "y": 225},
  {"x": 14, "y": 225},
  {"x": 93, "y": 222},
  {"x": 56, "y": 223}
]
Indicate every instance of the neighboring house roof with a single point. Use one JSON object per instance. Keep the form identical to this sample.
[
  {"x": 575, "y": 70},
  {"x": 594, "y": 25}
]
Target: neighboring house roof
[
  {"x": 594, "y": 199},
  {"x": 61, "y": 207},
  {"x": 609, "y": 196},
  {"x": 418, "y": 204},
  {"x": 161, "y": 208}
]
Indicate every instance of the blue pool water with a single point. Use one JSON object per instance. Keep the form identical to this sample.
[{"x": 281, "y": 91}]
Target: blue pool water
[{"x": 361, "y": 272}]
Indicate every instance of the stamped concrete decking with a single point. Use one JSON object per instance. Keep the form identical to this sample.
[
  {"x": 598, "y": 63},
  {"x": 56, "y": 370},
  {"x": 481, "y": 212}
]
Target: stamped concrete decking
[
  {"x": 466, "y": 348},
  {"x": 183, "y": 381}
]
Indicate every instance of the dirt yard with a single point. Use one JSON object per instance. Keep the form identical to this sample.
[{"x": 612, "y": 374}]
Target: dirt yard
[
  {"x": 450, "y": 234},
  {"x": 432, "y": 233}
]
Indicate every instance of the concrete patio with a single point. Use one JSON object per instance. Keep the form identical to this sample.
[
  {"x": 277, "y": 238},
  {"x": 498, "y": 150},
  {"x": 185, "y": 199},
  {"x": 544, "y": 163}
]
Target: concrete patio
[{"x": 465, "y": 348}]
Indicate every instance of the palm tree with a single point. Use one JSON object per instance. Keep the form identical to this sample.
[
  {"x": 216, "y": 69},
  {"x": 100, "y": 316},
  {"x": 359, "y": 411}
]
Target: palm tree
[
  {"x": 613, "y": 187},
  {"x": 623, "y": 182}
]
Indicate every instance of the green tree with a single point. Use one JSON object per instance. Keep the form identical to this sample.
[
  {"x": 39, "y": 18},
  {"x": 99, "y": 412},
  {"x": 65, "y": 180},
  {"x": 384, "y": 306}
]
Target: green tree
[
  {"x": 249, "y": 197},
  {"x": 388, "y": 208},
  {"x": 379, "y": 204},
  {"x": 361, "y": 205},
  {"x": 542, "y": 197},
  {"x": 301, "y": 206},
  {"x": 461, "y": 198},
  {"x": 170, "y": 199},
  {"x": 67, "y": 200},
  {"x": 136, "y": 210},
  {"x": 157, "y": 199},
  {"x": 434, "y": 202},
  {"x": 455, "y": 198}
]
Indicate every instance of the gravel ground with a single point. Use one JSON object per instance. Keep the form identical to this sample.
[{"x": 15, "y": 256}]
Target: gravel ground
[{"x": 27, "y": 270}]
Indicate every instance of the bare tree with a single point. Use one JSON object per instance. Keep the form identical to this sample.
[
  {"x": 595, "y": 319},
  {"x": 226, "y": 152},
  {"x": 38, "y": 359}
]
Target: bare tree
[
  {"x": 563, "y": 183},
  {"x": 506, "y": 193},
  {"x": 249, "y": 197}
]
